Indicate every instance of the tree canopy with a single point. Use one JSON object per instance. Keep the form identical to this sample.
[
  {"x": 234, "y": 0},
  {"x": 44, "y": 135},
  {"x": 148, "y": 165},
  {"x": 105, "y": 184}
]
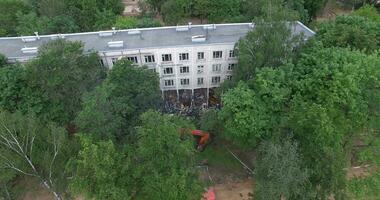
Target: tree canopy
[
  {"x": 110, "y": 110},
  {"x": 160, "y": 165}
]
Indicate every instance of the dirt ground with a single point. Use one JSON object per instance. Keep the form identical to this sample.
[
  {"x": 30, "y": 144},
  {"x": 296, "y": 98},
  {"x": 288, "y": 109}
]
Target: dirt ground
[{"x": 234, "y": 191}]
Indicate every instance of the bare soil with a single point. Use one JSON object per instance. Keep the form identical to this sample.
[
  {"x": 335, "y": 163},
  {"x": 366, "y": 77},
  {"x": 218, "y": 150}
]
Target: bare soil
[{"x": 234, "y": 191}]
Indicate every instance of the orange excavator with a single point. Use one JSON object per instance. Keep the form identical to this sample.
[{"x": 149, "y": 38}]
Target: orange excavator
[{"x": 200, "y": 137}]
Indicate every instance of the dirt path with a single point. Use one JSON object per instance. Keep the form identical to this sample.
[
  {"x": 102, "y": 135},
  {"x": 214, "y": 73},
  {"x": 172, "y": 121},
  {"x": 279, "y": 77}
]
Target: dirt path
[{"x": 234, "y": 191}]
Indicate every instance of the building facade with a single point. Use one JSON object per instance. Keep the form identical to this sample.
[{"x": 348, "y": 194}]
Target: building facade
[{"x": 191, "y": 60}]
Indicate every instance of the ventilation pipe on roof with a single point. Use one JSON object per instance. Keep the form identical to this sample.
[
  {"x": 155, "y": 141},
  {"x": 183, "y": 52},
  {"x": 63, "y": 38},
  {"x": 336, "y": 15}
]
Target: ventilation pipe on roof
[
  {"x": 190, "y": 25},
  {"x": 36, "y": 33},
  {"x": 114, "y": 30}
]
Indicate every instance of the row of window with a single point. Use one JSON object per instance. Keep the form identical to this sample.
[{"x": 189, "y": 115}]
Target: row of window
[
  {"x": 200, "y": 56},
  {"x": 186, "y": 81},
  {"x": 200, "y": 69},
  {"x": 182, "y": 57}
]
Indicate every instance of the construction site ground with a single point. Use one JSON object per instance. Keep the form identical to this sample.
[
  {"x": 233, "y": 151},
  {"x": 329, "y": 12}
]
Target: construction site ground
[{"x": 229, "y": 178}]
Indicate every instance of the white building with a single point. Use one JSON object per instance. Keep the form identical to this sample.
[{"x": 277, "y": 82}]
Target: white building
[{"x": 190, "y": 60}]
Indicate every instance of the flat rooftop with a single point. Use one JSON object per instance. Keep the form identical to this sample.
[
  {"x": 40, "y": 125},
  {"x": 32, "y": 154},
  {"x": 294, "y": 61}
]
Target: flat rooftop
[{"x": 132, "y": 39}]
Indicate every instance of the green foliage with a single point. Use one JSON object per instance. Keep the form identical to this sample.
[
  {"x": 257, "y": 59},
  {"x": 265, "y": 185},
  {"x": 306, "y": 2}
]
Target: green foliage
[
  {"x": 314, "y": 6},
  {"x": 133, "y": 22},
  {"x": 104, "y": 20},
  {"x": 33, "y": 148},
  {"x": 270, "y": 10},
  {"x": 53, "y": 78},
  {"x": 270, "y": 44},
  {"x": 351, "y": 31},
  {"x": 364, "y": 188},
  {"x": 279, "y": 173},
  {"x": 110, "y": 110},
  {"x": 3, "y": 60},
  {"x": 325, "y": 100},
  {"x": 166, "y": 167},
  {"x": 50, "y": 8},
  {"x": 210, "y": 122},
  {"x": 329, "y": 109},
  {"x": 101, "y": 171},
  {"x": 173, "y": 11},
  {"x": 12, "y": 86},
  {"x": 368, "y": 12},
  {"x": 221, "y": 10},
  {"x": 251, "y": 112},
  {"x": 8, "y": 13},
  {"x": 160, "y": 165}
]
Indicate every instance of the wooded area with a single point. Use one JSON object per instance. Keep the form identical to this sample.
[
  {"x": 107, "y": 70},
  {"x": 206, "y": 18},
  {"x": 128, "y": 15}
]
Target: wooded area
[{"x": 309, "y": 109}]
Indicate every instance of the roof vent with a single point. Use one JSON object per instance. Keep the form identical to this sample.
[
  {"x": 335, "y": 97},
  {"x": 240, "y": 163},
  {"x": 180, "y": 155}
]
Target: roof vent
[
  {"x": 105, "y": 33},
  {"x": 182, "y": 28},
  {"x": 198, "y": 38},
  {"x": 29, "y": 50},
  {"x": 209, "y": 27},
  {"x": 116, "y": 44},
  {"x": 29, "y": 39},
  {"x": 134, "y": 32},
  {"x": 251, "y": 25}
]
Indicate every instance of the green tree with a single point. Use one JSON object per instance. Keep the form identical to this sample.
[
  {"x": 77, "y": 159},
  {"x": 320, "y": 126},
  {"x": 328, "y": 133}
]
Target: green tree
[
  {"x": 166, "y": 165},
  {"x": 116, "y": 6},
  {"x": 219, "y": 11},
  {"x": 156, "y": 4},
  {"x": 174, "y": 11},
  {"x": 256, "y": 110},
  {"x": 368, "y": 12},
  {"x": 3, "y": 60},
  {"x": 101, "y": 171},
  {"x": 51, "y": 8},
  {"x": 31, "y": 148},
  {"x": 58, "y": 77},
  {"x": 270, "y": 44},
  {"x": 8, "y": 13},
  {"x": 351, "y": 31},
  {"x": 110, "y": 111},
  {"x": 104, "y": 20},
  {"x": 270, "y": 10},
  {"x": 325, "y": 100},
  {"x": 327, "y": 117},
  {"x": 279, "y": 173},
  {"x": 159, "y": 165},
  {"x": 314, "y": 6},
  {"x": 12, "y": 85}
]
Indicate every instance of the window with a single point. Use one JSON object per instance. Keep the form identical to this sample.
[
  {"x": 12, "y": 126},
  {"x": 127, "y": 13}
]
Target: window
[
  {"x": 217, "y": 67},
  {"x": 231, "y": 66},
  {"x": 183, "y": 56},
  {"x": 217, "y": 54},
  {"x": 232, "y": 54},
  {"x": 215, "y": 80},
  {"x": 114, "y": 60},
  {"x": 149, "y": 59},
  {"x": 168, "y": 70},
  {"x": 169, "y": 82},
  {"x": 184, "y": 70},
  {"x": 166, "y": 57},
  {"x": 132, "y": 59},
  {"x": 201, "y": 55},
  {"x": 200, "y": 81},
  {"x": 185, "y": 81},
  {"x": 200, "y": 69},
  {"x": 229, "y": 77},
  {"x": 101, "y": 62}
]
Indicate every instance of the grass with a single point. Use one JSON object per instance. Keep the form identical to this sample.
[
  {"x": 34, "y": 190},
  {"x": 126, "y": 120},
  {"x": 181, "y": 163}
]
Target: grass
[{"x": 218, "y": 156}]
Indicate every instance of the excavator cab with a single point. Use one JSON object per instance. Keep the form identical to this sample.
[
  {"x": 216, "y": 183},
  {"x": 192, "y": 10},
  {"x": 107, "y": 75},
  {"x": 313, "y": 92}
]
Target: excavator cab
[{"x": 200, "y": 137}]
